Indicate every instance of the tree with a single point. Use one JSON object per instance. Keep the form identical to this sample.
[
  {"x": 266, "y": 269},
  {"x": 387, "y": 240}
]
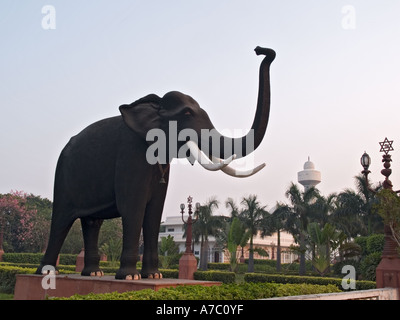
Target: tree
[
  {"x": 73, "y": 243},
  {"x": 388, "y": 207},
  {"x": 206, "y": 225},
  {"x": 353, "y": 213},
  {"x": 323, "y": 208},
  {"x": 237, "y": 236},
  {"x": 16, "y": 222},
  {"x": 276, "y": 222},
  {"x": 298, "y": 218},
  {"x": 110, "y": 240},
  {"x": 323, "y": 241},
  {"x": 347, "y": 214},
  {"x": 168, "y": 252},
  {"x": 40, "y": 221},
  {"x": 230, "y": 204},
  {"x": 372, "y": 221},
  {"x": 252, "y": 217}
]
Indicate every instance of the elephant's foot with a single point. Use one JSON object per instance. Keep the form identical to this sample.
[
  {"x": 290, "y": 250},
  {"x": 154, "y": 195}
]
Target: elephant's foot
[
  {"x": 155, "y": 276},
  {"x": 128, "y": 274},
  {"x": 46, "y": 269},
  {"x": 93, "y": 271},
  {"x": 151, "y": 275},
  {"x": 134, "y": 277}
]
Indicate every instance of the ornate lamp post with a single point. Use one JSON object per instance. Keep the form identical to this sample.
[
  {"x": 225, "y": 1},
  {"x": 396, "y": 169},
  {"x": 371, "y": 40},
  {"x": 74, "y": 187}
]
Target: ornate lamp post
[
  {"x": 189, "y": 222},
  {"x": 388, "y": 270},
  {"x": 188, "y": 262}
]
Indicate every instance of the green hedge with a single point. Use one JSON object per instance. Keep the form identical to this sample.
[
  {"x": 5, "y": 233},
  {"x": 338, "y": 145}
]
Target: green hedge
[
  {"x": 258, "y": 277},
  {"x": 268, "y": 262},
  {"x": 369, "y": 264},
  {"x": 8, "y": 276},
  {"x": 23, "y": 257},
  {"x": 222, "y": 276},
  {"x": 263, "y": 266},
  {"x": 218, "y": 266},
  {"x": 244, "y": 291},
  {"x": 35, "y": 258}
]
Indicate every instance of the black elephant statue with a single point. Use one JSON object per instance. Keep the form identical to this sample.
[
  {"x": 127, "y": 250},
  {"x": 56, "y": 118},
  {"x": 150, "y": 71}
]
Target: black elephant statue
[{"x": 119, "y": 167}]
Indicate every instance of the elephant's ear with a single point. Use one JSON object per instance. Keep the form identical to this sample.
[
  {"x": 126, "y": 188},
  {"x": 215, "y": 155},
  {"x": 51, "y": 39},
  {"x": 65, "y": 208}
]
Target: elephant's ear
[{"x": 142, "y": 115}]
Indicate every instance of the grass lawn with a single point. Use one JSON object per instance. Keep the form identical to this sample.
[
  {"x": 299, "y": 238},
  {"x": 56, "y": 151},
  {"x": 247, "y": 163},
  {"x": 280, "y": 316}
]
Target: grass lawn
[{"x": 6, "y": 296}]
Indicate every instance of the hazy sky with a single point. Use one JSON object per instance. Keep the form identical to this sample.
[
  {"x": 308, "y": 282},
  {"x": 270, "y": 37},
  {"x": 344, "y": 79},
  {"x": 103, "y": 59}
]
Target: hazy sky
[{"x": 335, "y": 84}]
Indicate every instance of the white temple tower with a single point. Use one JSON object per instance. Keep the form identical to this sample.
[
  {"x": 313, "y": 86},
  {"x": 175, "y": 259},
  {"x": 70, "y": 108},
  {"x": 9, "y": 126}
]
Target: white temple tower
[{"x": 309, "y": 177}]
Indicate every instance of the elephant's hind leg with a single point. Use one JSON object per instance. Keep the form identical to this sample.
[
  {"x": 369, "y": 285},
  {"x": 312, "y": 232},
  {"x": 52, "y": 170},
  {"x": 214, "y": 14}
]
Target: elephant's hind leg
[
  {"x": 58, "y": 233},
  {"x": 91, "y": 229}
]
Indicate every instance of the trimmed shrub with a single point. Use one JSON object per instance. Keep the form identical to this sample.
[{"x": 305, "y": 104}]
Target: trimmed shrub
[
  {"x": 170, "y": 273},
  {"x": 35, "y": 258},
  {"x": 218, "y": 266},
  {"x": 362, "y": 242},
  {"x": 8, "y": 277},
  {"x": 275, "y": 278},
  {"x": 23, "y": 257},
  {"x": 222, "y": 276},
  {"x": 338, "y": 266},
  {"x": 268, "y": 262},
  {"x": 245, "y": 291},
  {"x": 68, "y": 259},
  {"x": 375, "y": 243},
  {"x": 368, "y": 266},
  {"x": 266, "y": 266}
]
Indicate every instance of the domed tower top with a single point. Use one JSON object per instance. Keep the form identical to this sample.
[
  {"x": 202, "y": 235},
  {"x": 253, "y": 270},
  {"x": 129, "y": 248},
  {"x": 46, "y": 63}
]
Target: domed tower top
[{"x": 309, "y": 177}]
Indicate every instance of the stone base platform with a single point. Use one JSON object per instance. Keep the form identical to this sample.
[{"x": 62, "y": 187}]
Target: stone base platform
[{"x": 29, "y": 287}]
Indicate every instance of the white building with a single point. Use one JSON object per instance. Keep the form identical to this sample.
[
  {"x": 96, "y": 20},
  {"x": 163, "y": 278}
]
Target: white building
[{"x": 174, "y": 226}]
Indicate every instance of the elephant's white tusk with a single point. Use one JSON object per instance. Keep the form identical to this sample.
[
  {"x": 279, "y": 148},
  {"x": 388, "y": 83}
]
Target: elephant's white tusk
[
  {"x": 204, "y": 161},
  {"x": 239, "y": 173}
]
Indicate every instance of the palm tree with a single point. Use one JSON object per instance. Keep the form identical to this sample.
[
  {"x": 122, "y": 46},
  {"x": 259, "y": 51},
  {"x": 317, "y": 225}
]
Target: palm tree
[
  {"x": 372, "y": 221},
  {"x": 298, "y": 218},
  {"x": 230, "y": 203},
  {"x": 276, "y": 222},
  {"x": 353, "y": 212},
  {"x": 168, "y": 251},
  {"x": 324, "y": 240},
  {"x": 347, "y": 214},
  {"x": 252, "y": 217},
  {"x": 206, "y": 225},
  {"x": 323, "y": 208},
  {"x": 237, "y": 236}
]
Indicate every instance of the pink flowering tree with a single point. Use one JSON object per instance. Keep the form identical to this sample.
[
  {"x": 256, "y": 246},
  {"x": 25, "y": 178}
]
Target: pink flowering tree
[{"x": 17, "y": 221}]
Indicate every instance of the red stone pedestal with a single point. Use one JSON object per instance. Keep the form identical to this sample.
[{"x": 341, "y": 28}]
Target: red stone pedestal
[
  {"x": 187, "y": 266},
  {"x": 80, "y": 261},
  {"x": 29, "y": 286},
  {"x": 388, "y": 273},
  {"x": 388, "y": 270}
]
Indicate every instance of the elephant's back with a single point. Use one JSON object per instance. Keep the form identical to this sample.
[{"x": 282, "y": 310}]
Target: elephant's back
[
  {"x": 97, "y": 133},
  {"x": 86, "y": 165}
]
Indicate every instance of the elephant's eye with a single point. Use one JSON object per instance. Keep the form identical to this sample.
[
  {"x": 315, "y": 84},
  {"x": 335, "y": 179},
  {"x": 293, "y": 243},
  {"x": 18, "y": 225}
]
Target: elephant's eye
[{"x": 187, "y": 113}]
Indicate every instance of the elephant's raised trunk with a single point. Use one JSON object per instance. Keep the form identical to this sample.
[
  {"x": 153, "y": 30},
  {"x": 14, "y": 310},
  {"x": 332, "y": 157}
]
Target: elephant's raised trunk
[{"x": 223, "y": 147}]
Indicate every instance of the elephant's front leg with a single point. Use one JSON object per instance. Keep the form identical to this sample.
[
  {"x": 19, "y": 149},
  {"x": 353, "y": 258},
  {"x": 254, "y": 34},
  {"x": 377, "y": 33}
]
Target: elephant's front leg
[
  {"x": 130, "y": 248},
  {"x": 151, "y": 228},
  {"x": 132, "y": 189}
]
